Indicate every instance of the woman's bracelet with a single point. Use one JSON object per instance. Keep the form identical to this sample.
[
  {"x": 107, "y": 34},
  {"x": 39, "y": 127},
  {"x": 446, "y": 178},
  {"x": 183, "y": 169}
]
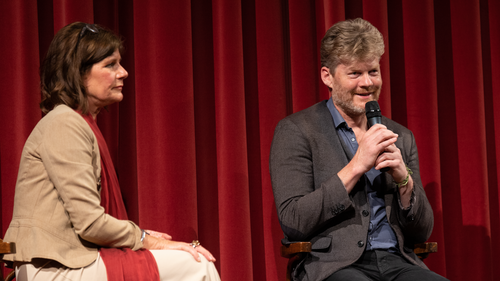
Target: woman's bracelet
[
  {"x": 405, "y": 181},
  {"x": 143, "y": 235}
]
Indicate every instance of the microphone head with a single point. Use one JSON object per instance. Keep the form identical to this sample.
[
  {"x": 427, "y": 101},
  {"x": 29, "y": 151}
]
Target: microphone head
[{"x": 372, "y": 109}]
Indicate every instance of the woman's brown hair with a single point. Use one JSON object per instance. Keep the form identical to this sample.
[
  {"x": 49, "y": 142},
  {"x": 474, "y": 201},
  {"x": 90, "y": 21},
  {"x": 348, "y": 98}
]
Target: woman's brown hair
[{"x": 71, "y": 55}]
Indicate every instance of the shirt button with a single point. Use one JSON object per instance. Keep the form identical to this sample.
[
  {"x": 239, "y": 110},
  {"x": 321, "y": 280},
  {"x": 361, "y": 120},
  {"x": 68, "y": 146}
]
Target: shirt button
[
  {"x": 365, "y": 213},
  {"x": 353, "y": 139},
  {"x": 361, "y": 244}
]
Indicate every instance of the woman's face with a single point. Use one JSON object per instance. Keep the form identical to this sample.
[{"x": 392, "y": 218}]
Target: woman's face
[{"x": 104, "y": 82}]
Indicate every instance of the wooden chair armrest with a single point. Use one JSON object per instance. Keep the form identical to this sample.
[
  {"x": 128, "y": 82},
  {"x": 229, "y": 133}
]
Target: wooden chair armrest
[
  {"x": 424, "y": 249},
  {"x": 294, "y": 252},
  {"x": 288, "y": 251},
  {"x": 7, "y": 247}
]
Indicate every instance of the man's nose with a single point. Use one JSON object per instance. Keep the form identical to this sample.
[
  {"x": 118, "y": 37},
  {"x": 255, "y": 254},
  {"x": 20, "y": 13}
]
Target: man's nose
[{"x": 366, "y": 80}]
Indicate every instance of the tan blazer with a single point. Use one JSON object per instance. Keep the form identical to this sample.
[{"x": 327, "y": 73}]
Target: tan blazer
[{"x": 57, "y": 212}]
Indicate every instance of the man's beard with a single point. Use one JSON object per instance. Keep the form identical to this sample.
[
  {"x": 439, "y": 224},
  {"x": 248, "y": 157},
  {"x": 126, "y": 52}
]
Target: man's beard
[{"x": 344, "y": 99}]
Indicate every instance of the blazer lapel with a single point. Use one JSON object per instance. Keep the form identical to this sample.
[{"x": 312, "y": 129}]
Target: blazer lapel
[{"x": 326, "y": 123}]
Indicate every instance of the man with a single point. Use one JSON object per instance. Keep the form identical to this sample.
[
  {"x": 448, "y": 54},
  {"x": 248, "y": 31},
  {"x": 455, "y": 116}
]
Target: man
[{"x": 325, "y": 166}]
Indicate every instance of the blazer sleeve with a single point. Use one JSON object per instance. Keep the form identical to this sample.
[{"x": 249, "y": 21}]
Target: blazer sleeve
[
  {"x": 67, "y": 151},
  {"x": 303, "y": 205},
  {"x": 417, "y": 223}
]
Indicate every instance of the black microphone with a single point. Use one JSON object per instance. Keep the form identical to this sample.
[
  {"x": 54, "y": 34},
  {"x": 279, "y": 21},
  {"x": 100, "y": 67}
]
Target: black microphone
[
  {"x": 373, "y": 113},
  {"x": 374, "y": 116}
]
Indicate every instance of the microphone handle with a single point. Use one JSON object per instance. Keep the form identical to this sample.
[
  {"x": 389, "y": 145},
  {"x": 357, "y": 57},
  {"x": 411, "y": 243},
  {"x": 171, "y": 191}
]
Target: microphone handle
[{"x": 372, "y": 121}]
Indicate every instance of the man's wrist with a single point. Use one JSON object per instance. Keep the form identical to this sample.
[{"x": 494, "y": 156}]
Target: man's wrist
[
  {"x": 411, "y": 200},
  {"x": 409, "y": 172}
]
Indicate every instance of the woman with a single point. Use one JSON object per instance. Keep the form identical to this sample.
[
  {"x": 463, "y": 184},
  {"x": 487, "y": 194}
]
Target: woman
[{"x": 60, "y": 228}]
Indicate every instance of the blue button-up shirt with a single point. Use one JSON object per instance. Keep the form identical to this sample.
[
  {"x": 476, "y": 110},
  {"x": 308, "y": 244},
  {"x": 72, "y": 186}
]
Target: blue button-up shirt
[{"x": 380, "y": 233}]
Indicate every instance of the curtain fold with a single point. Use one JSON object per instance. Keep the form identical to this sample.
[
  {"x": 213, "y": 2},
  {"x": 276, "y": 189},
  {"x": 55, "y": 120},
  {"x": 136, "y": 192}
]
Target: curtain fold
[
  {"x": 421, "y": 108},
  {"x": 272, "y": 97},
  {"x": 208, "y": 82},
  {"x": 19, "y": 94},
  {"x": 471, "y": 135},
  {"x": 231, "y": 139},
  {"x": 164, "y": 109},
  {"x": 205, "y": 128},
  {"x": 490, "y": 18}
]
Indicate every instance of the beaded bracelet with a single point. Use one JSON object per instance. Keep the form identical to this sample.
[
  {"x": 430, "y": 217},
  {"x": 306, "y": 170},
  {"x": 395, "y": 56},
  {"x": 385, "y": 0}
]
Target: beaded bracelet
[{"x": 405, "y": 181}]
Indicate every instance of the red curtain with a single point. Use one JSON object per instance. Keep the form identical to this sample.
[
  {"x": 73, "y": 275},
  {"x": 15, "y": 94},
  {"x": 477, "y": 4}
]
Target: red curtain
[{"x": 208, "y": 82}]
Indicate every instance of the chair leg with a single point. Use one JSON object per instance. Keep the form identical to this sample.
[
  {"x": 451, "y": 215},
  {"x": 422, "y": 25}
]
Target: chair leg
[{"x": 11, "y": 276}]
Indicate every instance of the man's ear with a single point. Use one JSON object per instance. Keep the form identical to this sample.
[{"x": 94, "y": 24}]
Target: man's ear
[{"x": 326, "y": 77}]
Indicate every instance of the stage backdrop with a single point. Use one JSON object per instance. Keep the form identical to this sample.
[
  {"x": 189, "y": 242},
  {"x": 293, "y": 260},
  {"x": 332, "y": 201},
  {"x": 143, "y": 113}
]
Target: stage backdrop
[{"x": 208, "y": 82}]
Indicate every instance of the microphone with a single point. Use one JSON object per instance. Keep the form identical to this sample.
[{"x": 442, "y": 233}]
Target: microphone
[{"x": 374, "y": 116}]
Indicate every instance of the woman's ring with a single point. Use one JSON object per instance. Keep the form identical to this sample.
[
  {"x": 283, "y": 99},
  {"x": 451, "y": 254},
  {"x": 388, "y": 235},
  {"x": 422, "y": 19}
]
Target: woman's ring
[{"x": 195, "y": 243}]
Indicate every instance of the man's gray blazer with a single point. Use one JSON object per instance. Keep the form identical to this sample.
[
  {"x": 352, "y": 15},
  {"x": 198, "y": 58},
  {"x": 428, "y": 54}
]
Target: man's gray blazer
[{"x": 313, "y": 205}]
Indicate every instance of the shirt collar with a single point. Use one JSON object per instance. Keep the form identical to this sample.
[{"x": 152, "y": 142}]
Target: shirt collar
[{"x": 338, "y": 120}]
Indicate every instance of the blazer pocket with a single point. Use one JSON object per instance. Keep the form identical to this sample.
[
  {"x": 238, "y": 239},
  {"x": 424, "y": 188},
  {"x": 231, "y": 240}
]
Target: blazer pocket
[{"x": 321, "y": 243}]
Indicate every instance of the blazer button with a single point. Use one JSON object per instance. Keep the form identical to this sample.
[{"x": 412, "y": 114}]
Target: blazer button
[
  {"x": 365, "y": 213},
  {"x": 361, "y": 243}
]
